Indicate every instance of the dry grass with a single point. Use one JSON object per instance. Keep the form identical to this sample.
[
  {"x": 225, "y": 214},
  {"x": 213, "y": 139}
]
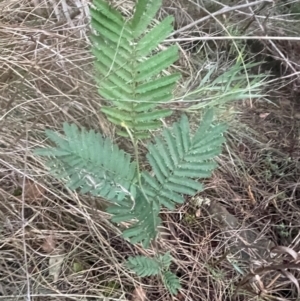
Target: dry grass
[{"x": 46, "y": 78}]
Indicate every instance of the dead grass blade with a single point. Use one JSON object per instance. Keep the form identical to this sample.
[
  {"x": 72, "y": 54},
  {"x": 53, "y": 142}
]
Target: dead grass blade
[
  {"x": 138, "y": 294},
  {"x": 293, "y": 279},
  {"x": 286, "y": 250}
]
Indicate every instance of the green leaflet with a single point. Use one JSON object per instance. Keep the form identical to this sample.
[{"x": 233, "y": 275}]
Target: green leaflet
[
  {"x": 171, "y": 145},
  {"x": 151, "y": 181},
  {"x": 157, "y": 63},
  {"x": 165, "y": 260},
  {"x": 144, "y": 216},
  {"x": 146, "y": 266},
  {"x": 204, "y": 155},
  {"x": 158, "y": 83},
  {"x": 155, "y": 159},
  {"x": 108, "y": 11},
  {"x": 193, "y": 174},
  {"x": 117, "y": 114},
  {"x": 110, "y": 25},
  {"x": 118, "y": 78},
  {"x": 156, "y": 35},
  {"x": 144, "y": 117},
  {"x": 144, "y": 13},
  {"x": 111, "y": 37},
  {"x": 147, "y": 105},
  {"x": 179, "y": 142},
  {"x": 204, "y": 126},
  {"x": 212, "y": 138},
  {"x": 147, "y": 126},
  {"x": 143, "y": 266},
  {"x": 171, "y": 282},
  {"x": 167, "y": 198},
  {"x": 164, "y": 153},
  {"x": 181, "y": 189},
  {"x": 103, "y": 66},
  {"x": 116, "y": 54},
  {"x": 155, "y": 94},
  {"x": 155, "y": 166},
  {"x": 140, "y": 9}
]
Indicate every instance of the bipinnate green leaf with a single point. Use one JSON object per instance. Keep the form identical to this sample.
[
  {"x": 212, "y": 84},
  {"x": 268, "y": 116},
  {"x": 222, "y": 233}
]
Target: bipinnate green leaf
[
  {"x": 130, "y": 69},
  {"x": 178, "y": 161},
  {"x": 90, "y": 163}
]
